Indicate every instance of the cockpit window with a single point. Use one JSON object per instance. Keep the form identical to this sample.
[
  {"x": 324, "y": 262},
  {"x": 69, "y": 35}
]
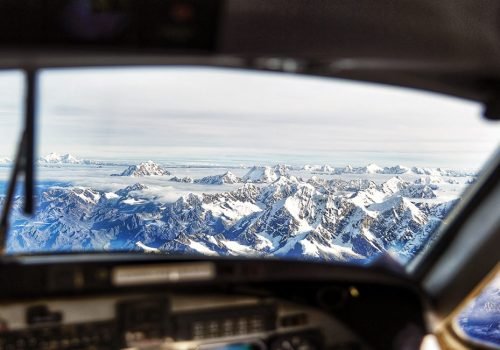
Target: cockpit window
[{"x": 220, "y": 162}]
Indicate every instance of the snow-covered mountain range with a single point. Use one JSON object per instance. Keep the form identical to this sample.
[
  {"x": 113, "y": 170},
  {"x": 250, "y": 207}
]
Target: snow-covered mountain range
[
  {"x": 272, "y": 214},
  {"x": 5, "y": 160},
  {"x": 392, "y": 170},
  {"x": 56, "y": 159}
]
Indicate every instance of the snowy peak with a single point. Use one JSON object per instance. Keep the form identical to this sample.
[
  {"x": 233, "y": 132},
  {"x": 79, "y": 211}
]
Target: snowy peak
[
  {"x": 265, "y": 174},
  {"x": 55, "y": 158},
  {"x": 260, "y": 175},
  {"x": 135, "y": 187},
  {"x": 349, "y": 169},
  {"x": 69, "y": 159},
  {"x": 425, "y": 171},
  {"x": 73, "y": 197},
  {"x": 421, "y": 188},
  {"x": 419, "y": 191},
  {"x": 393, "y": 185},
  {"x": 148, "y": 168},
  {"x": 281, "y": 169},
  {"x": 230, "y": 178},
  {"x": 51, "y": 158},
  {"x": 65, "y": 159},
  {"x": 399, "y": 207},
  {"x": 372, "y": 169},
  {"x": 428, "y": 180},
  {"x": 87, "y": 194},
  {"x": 318, "y": 168},
  {"x": 326, "y": 169},
  {"x": 278, "y": 190},
  {"x": 5, "y": 160},
  {"x": 396, "y": 170}
]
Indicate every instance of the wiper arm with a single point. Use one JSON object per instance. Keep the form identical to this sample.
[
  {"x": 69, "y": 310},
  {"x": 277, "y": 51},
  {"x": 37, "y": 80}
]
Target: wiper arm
[
  {"x": 19, "y": 164},
  {"x": 24, "y": 161}
]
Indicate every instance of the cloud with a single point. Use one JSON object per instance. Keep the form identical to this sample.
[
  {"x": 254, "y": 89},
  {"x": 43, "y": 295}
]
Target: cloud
[{"x": 235, "y": 115}]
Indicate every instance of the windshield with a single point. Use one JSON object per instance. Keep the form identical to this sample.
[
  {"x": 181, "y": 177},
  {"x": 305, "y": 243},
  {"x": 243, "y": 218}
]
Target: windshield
[{"x": 193, "y": 160}]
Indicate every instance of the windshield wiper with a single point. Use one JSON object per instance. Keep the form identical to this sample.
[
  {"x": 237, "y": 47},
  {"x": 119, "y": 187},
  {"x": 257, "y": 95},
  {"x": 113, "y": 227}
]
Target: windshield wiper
[{"x": 24, "y": 161}]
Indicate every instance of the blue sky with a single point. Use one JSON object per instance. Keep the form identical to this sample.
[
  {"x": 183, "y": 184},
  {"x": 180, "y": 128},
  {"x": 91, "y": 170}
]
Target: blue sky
[{"x": 216, "y": 115}]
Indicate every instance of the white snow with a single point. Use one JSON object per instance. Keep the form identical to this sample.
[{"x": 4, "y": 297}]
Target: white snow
[
  {"x": 263, "y": 242},
  {"x": 316, "y": 250},
  {"x": 146, "y": 248},
  {"x": 87, "y": 195},
  {"x": 309, "y": 248},
  {"x": 226, "y": 178},
  {"x": 427, "y": 180},
  {"x": 368, "y": 196},
  {"x": 132, "y": 201},
  {"x": 232, "y": 210},
  {"x": 111, "y": 195},
  {"x": 260, "y": 174},
  {"x": 265, "y": 174},
  {"x": 373, "y": 169},
  {"x": 393, "y": 185},
  {"x": 396, "y": 170},
  {"x": 396, "y": 201},
  {"x": 238, "y": 249},
  {"x": 292, "y": 205},
  {"x": 55, "y": 158},
  {"x": 201, "y": 248}
]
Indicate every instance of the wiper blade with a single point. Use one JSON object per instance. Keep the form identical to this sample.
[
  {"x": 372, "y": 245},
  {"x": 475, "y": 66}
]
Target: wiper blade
[{"x": 19, "y": 164}]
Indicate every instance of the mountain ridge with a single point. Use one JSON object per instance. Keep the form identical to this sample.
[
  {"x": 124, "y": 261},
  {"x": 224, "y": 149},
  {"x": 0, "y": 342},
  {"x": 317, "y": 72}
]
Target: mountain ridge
[{"x": 148, "y": 168}]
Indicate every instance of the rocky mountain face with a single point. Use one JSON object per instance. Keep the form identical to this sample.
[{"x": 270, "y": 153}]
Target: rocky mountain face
[
  {"x": 185, "y": 179},
  {"x": 322, "y": 219}
]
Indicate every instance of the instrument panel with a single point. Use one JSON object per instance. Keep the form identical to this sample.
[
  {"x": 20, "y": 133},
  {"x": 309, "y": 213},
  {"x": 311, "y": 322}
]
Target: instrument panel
[{"x": 176, "y": 322}]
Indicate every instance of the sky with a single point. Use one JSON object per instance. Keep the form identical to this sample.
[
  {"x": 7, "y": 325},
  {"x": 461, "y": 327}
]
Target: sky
[{"x": 185, "y": 114}]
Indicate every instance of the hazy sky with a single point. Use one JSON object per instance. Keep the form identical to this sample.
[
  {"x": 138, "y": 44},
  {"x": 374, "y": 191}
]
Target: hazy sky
[{"x": 218, "y": 115}]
